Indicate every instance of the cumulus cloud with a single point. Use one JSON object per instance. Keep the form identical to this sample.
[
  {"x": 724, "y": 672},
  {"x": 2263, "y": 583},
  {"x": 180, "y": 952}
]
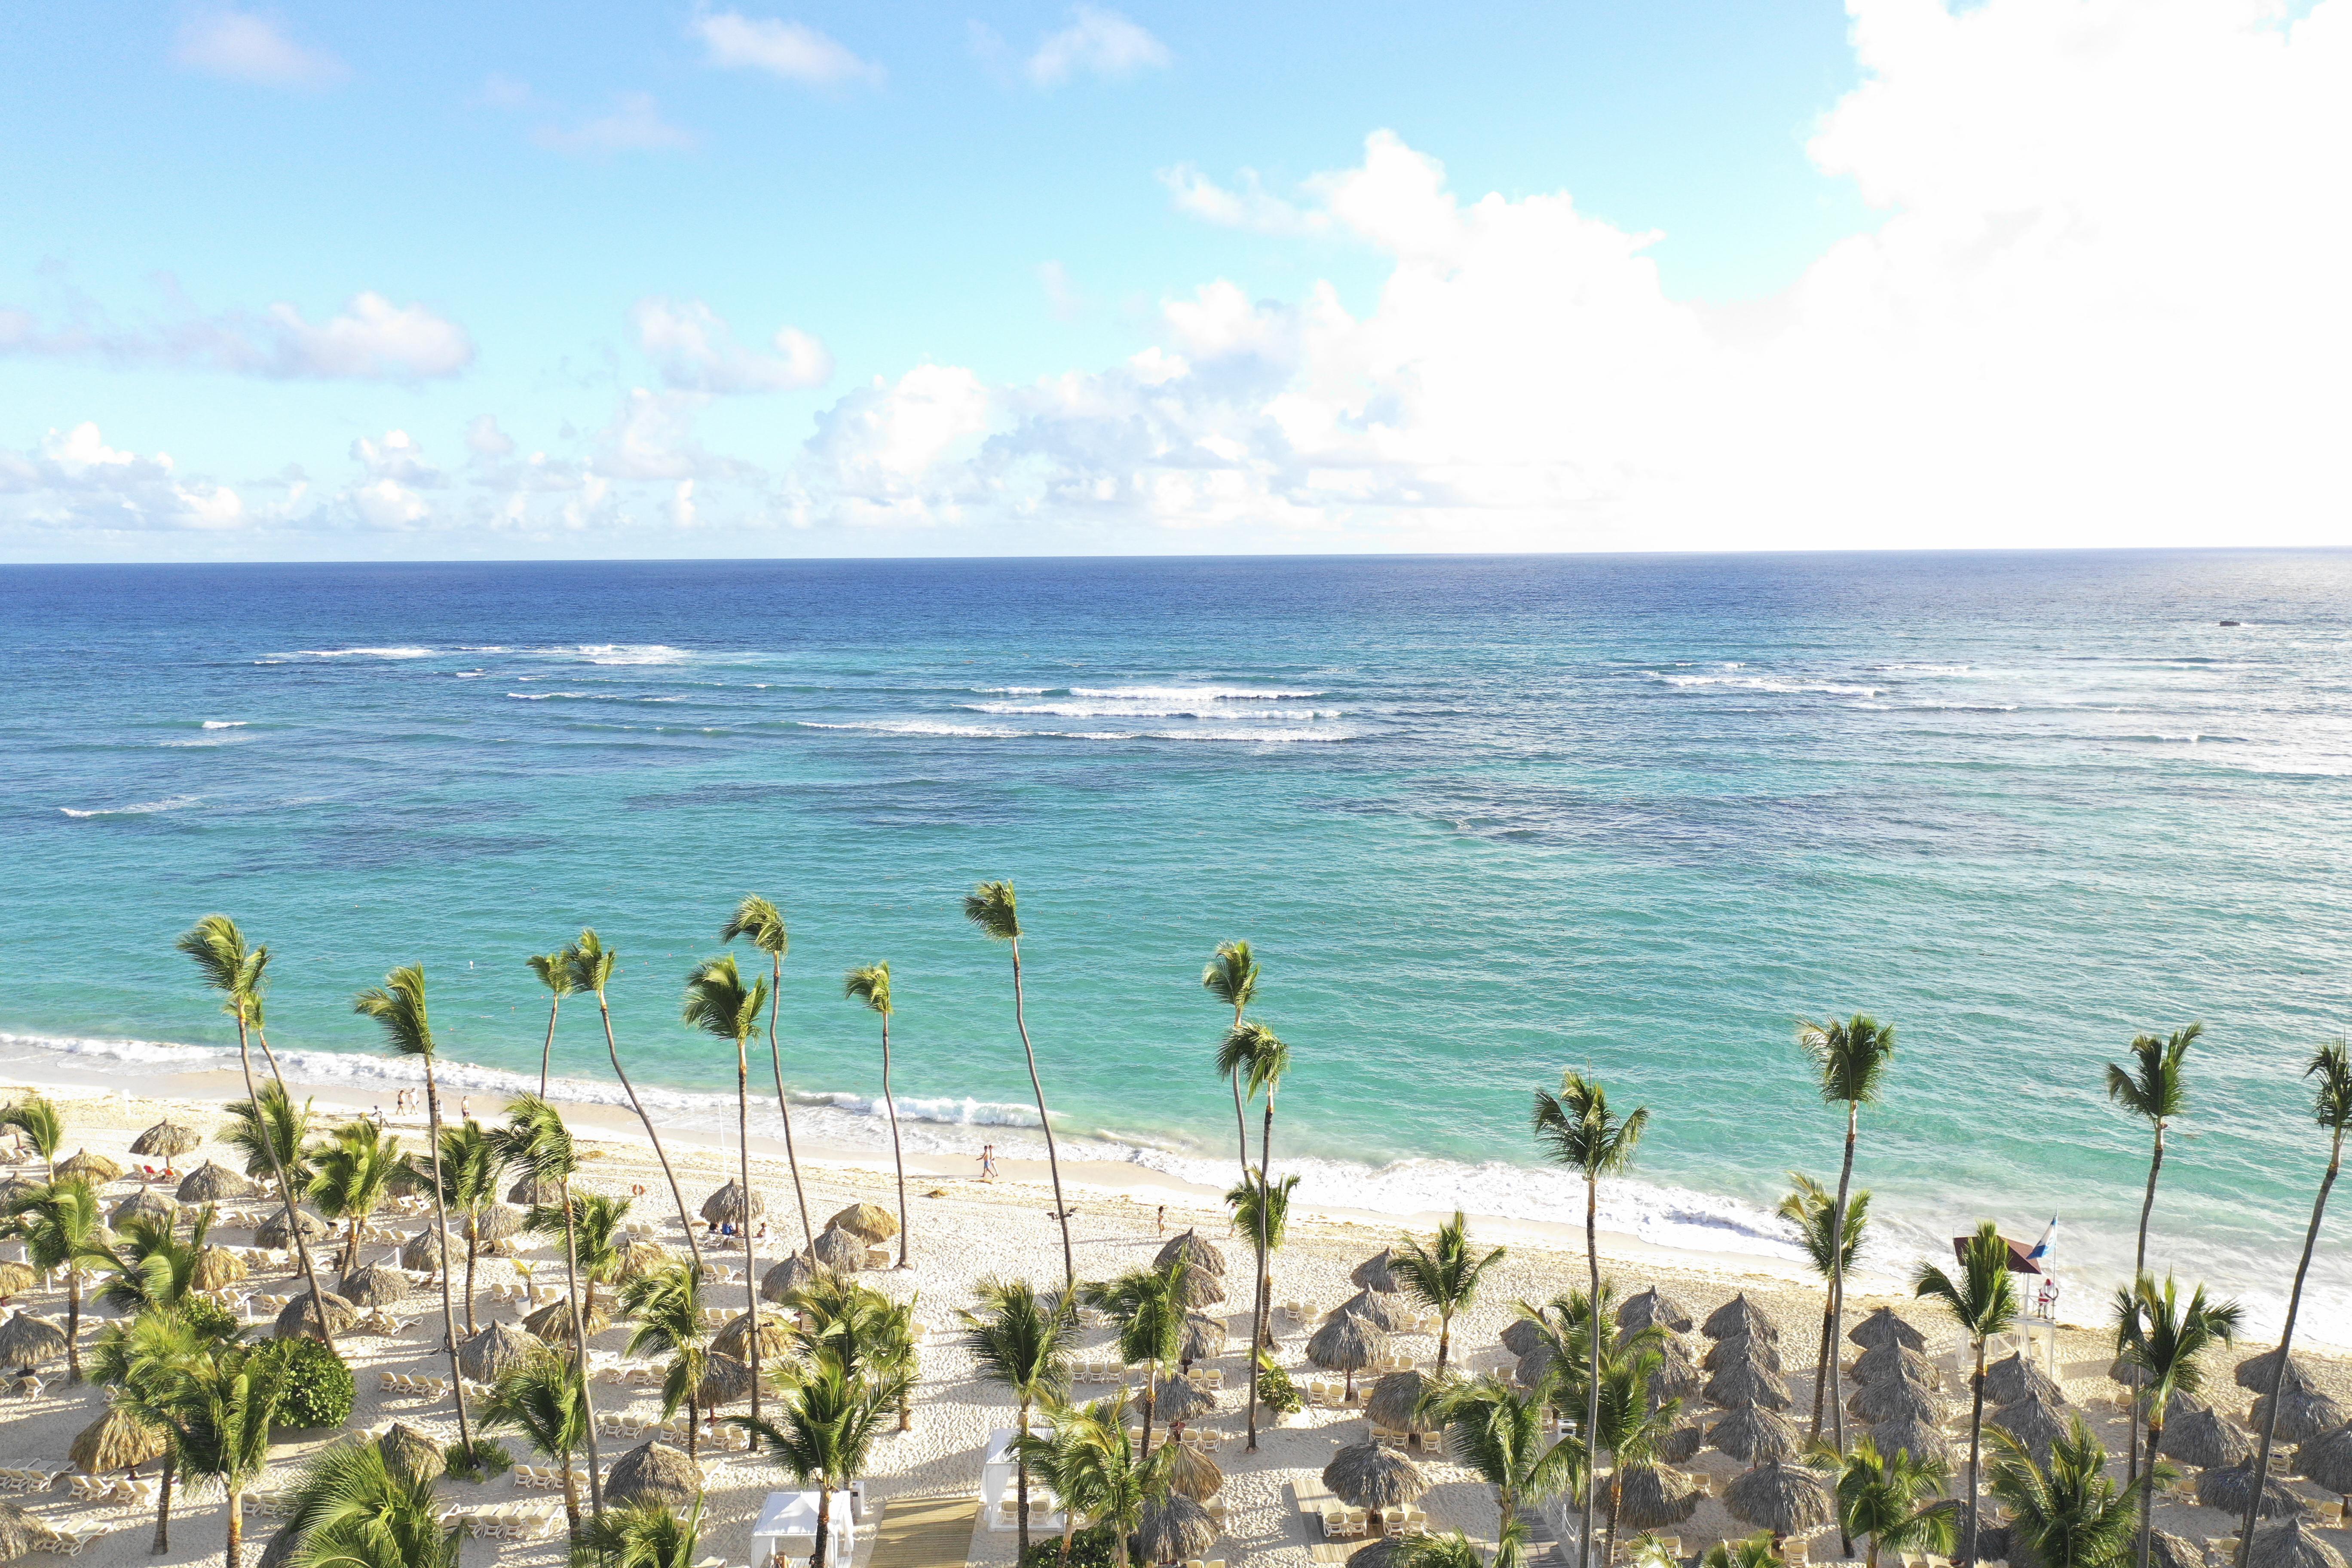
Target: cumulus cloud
[
  {"x": 371, "y": 339},
  {"x": 398, "y": 457},
  {"x": 75, "y": 483},
  {"x": 634, "y": 125},
  {"x": 485, "y": 439},
  {"x": 1248, "y": 205},
  {"x": 696, "y": 350},
  {"x": 1097, "y": 43},
  {"x": 880, "y": 452},
  {"x": 240, "y": 45},
  {"x": 790, "y": 51}
]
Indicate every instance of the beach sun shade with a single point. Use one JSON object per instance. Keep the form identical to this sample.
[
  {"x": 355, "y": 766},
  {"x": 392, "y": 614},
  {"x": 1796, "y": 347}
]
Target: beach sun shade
[
  {"x": 1199, "y": 1254},
  {"x": 639, "y": 1258},
  {"x": 1374, "y": 1273},
  {"x": 1396, "y": 1402},
  {"x": 1746, "y": 1384},
  {"x": 1677, "y": 1377},
  {"x": 1882, "y": 1327},
  {"x": 1366, "y": 1475},
  {"x": 422, "y": 1252},
  {"x": 297, "y": 1322},
  {"x": 213, "y": 1183},
  {"x": 145, "y": 1204},
  {"x": 654, "y": 1472},
  {"x": 94, "y": 1168},
  {"x": 871, "y": 1221},
  {"x": 2168, "y": 1551},
  {"x": 1652, "y": 1309},
  {"x": 1888, "y": 1362},
  {"x": 1739, "y": 1316},
  {"x": 2228, "y": 1487},
  {"x": 1379, "y": 1310},
  {"x": 2327, "y": 1461},
  {"x": 1521, "y": 1335},
  {"x": 840, "y": 1251},
  {"x": 553, "y": 1322},
  {"x": 492, "y": 1226},
  {"x": 407, "y": 1451},
  {"x": 2206, "y": 1438},
  {"x": 1197, "y": 1288},
  {"x": 272, "y": 1232},
  {"x": 167, "y": 1139},
  {"x": 776, "y": 1337},
  {"x": 1923, "y": 1440},
  {"x": 498, "y": 1346},
  {"x": 1654, "y": 1497},
  {"x": 1343, "y": 1343},
  {"x": 1384, "y": 1552},
  {"x": 534, "y": 1190},
  {"x": 115, "y": 1441},
  {"x": 2021, "y": 1254},
  {"x": 1204, "y": 1337},
  {"x": 1535, "y": 1366},
  {"x": 377, "y": 1285},
  {"x": 1755, "y": 1435},
  {"x": 1782, "y": 1498},
  {"x": 2294, "y": 1544},
  {"x": 2254, "y": 1373},
  {"x": 2303, "y": 1414},
  {"x": 725, "y": 1380},
  {"x": 1192, "y": 1473},
  {"x": 794, "y": 1273},
  {"x": 2037, "y": 1421},
  {"x": 1733, "y": 1349},
  {"x": 2012, "y": 1378},
  {"x": 20, "y": 1531},
  {"x": 1176, "y": 1399},
  {"x": 1895, "y": 1400},
  {"x": 1682, "y": 1444},
  {"x": 16, "y": 1278},
  {"x": 726, "y": 1204},
  {"x": 1175, "y": 1529}
]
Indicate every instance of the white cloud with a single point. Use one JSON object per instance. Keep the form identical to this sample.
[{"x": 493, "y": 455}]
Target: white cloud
[
  {"x": 789, "y": 50},
  {"x": 74, "y": 484},
  {"x": 397, "y": 457},
  {"x": 634, "y": 125},
  {"x": 1097, "y": 43},
  {"x": 370, "y": 340},
  {"x": 389, "y": 505},
  {"x": 485, "y": 439},
  {"x": 879, "y": 451},
  {"x": 243, "y": 46},
  {"x": 1248, "y": 206},
  {"x": 697, "y": 352}
]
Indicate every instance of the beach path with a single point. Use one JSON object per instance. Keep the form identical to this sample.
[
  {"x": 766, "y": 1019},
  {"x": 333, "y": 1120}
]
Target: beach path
[{"x": 924, "y": 1533}]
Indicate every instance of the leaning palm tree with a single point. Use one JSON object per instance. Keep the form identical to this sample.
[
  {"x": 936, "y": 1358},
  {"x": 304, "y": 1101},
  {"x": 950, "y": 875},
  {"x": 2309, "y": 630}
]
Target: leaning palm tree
[
  {"x": 993, "y": 909},
  {"x": 399, "y": 1006},
  {"x": 831, "y": 1419},
  {"x": 554, "y": 971},
  {"x": 647, "y": 1534},
  {"x": 2154, "y": 1089},
  {"x": 1497, "y": 1432},
  {"x": 1443, "y": 1276},
  {"x": 1231, "y": 976},
  {"x": 1849, "y": 1056},
  {"x": 2165, "y": 1342},
  {"x": 1092, "y": 1467},
  {"x": 43, "y": 1129},
  {"x": 1983, "y": 1302},
  {"x": 2331, "y": 1107},
  {"x": 59, "y": 1224},
  {"x": 469, "y": 1179},
  {"x": 593, "y": 967},
  {"x": 273, "y": 1134},
  {"x": 871, "y": 986},
  {"x": 668, "y": 1307},
  {"x": 1578, "y": 1130},
  {"x": 2071, "y": 1513},
  {"x": 1254, "y": 1055},
  {"x": 355, "y": 1507},
  {"x": 1810, "y": 1208},
  {"x": 219, "y": 1408},
  {"x": 718, "y": 1003},
  {"x": 355, "y": 1167},
  {"x": 143, "y": 1359},
  {"x": 544, "y": 1398},
  {"x": 1147, "y": 1306},
  {"x": 1022, "y": 1340},
  {"x": 536, "y": 1142},
  {"x": 761, "y": 923},
  {"x": 1894, "y": 1499},
  {"x": 241, "y": 975},
  {"x": 149, "y": 1263}
]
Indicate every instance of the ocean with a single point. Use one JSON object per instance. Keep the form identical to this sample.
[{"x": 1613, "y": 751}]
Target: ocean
[{"x": 1483, "y": 818}]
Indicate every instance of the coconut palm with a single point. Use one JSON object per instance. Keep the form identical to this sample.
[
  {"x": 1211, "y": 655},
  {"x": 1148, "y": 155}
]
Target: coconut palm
[
  {"x": 273, "y": 1133},
  {"x": 871, "y": 986},
  {"x": 241, "y": 975},
  {"x": 647, "y": 1533},
  {"x": 1631, "y": 1425},
  {"x": 1254, "y": 1056},
  {"x": 1021, "y": 1341},
  {"x": 593, "y": 967},
  {"x": 1811, "y": 1207},
  {"x": 827, "y": 1430},
  {"x": 2165, "y": 1342},
  {"x": 545, "y": 1399},
  {"x": 2331, "y": 1107},
  {"x": 355, "y": 1508},
  {"x": 1231, "y": 976},
  {"x": 1090, "y": 1466},
  {"x": 1246, "y": 1199},
  {"x": 2070, "y": 1514},
  {"x": 668, "y": 1307},
  {"x": 399, "y": 1005},
  {"x": 1756, "y": 1551},
  {"x": 1147, "y": 1304},
  {"x": 469, "y": 1172},
  {"x": 218, "y": 1407},
  {"x": 718, "y": 1003},
  {"x": 1849, "y": 1056},
  {"x": 1578, "y": 1130},
  {"x": 554, "y": 971},
  {"x": 1443, "y": 1276},
  {"x": 149, "y": 1263},
  {"x": 1983, "y": 1302},
  {"x": 43, "y": 1130},
  {"x": 1894, "y": 1499},
  {"x": 536, "y": 1142},
  {"x": 353, "y": 1170},
  {"x": 59, "y": 1222},
  {"x": 992, "y": 907},
  {"x": 761, "y": 923},
  {"x": 598, "y": 1221},
  {"x": 2153, "y": 1089},
  {"x": 141, "y": 1360},
  {"x": 1497, "y": 1432}
]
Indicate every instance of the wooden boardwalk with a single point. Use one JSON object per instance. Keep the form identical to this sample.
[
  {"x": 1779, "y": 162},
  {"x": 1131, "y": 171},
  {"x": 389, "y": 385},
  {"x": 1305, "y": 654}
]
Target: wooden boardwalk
[{"x": 924, "y": 1533}]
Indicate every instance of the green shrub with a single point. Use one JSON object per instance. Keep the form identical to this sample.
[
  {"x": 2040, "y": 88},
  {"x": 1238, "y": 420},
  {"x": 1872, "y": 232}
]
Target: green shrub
[
  {"x": 318, "y": 1390},
  {"x": 1276, "y": 1391},
  {"x": 485, "y": 1459},
  {"x": 1090, "y": 1548},
  {"x": 209, "y": 1319}
]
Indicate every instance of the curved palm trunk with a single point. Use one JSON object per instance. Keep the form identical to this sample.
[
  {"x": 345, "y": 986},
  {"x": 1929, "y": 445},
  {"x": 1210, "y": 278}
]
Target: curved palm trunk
[
  {"x": 751, "y": 1273},
  {"x": 1976, "y": 1459},
  {"x": 2139, "y": 1266},
  {"x": 693, "y": 1428},
  {"x": 473, "y": 1250},
  {"x": 1265, "y": 1263},
  {"x": 236, "y": 1526},
  {"x": 441, "y": 1231},
  {"x": 1020, "y": 1479},
  {"x": 580, "y": 1349},
  {"x": 784, "y": 1106},
  {"x": 898, "y": 1159},
  {"x": 1444, "y": 1337},
  {"x": 2148, "y": 1493},
  {"x": 1046, "y": 1122},
  {"x": 684, "y": 1217},
  {"x": 1593, "y": 1389},
  {"x": 277, "y": 1169},
  {"x": 2286, "y": 1339},
  {"x": 1837, "y": 1291},
  {"x": 73, "y": 1321},
  {"x": 548, "y": 1049}
]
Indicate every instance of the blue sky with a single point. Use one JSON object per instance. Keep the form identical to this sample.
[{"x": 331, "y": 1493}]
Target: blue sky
[{"x": 304, "y": 251}]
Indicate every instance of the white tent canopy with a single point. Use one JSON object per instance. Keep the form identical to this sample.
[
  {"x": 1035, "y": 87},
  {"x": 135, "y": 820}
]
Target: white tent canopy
[
  {"x": 787, "y": 1528},
  {"x": 1000, "y": 1478}
]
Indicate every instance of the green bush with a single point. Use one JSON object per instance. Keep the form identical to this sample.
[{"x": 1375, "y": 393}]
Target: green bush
[
  {"x": 318, "y": 1390},
  {"x": 209, "y": 1319},
  {"x": 1275, "y": 1389},
  {"x": 1090, "y": 1548},
  {"x": 486, "y": 1459}
]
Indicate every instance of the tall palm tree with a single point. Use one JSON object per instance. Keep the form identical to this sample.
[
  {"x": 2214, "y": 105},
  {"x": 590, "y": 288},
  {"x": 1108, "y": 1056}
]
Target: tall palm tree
[
  {"x": 241, "y": 975},
  {"x": 992, "y": 907},
  {"x": 1632, "y": 1425},
  {"x": 1231, "y": 976},
  {"x": 2154, "y": 1089},
  {"x": 1251, "y": 1055},
  {"x": 353, "y": 1508},
  {"x": 544, "y": 1397},
  {"x": 2165, "y": 1342},
  {"x": 1252, "y": 1203},
  {"x": 593, "y": 966},
  {"x": 469, "y": 1179},
  {"x": 1496, "y": 1432},
  {"x": 1810, "y": 1208},
  {"x": 219, "y": 1409},
  {"x": 59, "y": 1225},
  {"x": 1088, "y": 1462},
  {"x": 1021, "y": 1341},
  {"x": 667, "y": 1306},
  {"x": 399, "y": 1006},
  {"x": 143, "y": 1359},
  {"x": 554, "y": 971},
  {"x": 149, "y": 1263},
  {"x": 830, "y": 1421},
  {"x": 355, "y": 1167},
  {"x": 718, "y": 1003},
  {"x": 1147, "y": 1306},
  {"x": 1849, "y": 1056},
  {"x": 1983, "y": 1302},
  {"x": 43, "y": 1128},
  {"x": 1578, "y": 1130},
  {"x": 2071, "y": 1515},
  {"x": 1443, "y": 1276},
  {"x": 1894, "y": 1499},
  {"x": 273, "y": 1134},
  {"x": 2331, "y": 1107},
  {"x": 647, "y": 1534},
  {"x": 598, "y": 1220},
  {"x": 761, "y": 923},
  {"x": 871, "y": 986},
  {"x": 536, "y": 1142}
]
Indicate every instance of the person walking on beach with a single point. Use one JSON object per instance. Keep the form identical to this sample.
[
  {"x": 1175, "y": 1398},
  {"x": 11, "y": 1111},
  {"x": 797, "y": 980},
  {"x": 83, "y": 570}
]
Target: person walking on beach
[
  {"x": 1160, "y": 1222},
  {"x": 988, "y": 1162}
]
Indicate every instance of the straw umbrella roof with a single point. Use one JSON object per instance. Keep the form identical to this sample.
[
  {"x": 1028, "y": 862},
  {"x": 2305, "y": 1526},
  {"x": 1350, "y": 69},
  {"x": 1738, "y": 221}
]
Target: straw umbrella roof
[
  {"x": 1395, "y": 1401},
  {"x": 1738, "y": 1316},
  {"x": 1521, "y": 1335},
  {"x": 272, "y": 1232},
  {"x": 1204, "y": 1337},
  {"x": 639, "y": 1258},
  {"x": 18, "y": 1531},
  {"x": 1755, "y": 1434},
  {"x": 1884, "y": 1327},
  {"x": 531, "y": 1189},
  {"x": 422, "y": 1252},
  {"x": 377, "y": 1285},
  {"x": 96, "y": 1167},
  {"x": 1175, "y": 1527},
  {"x": 794, "y": 1273},
  {"x": 2166, "y": 1550},
  {"x": 2037, "y": 1421},
  {"x": 218, "y": 1268},
  {"x": 492, "y": 1226},
  {"x": 776, "y": 1337},
  {"x": 2303, "y": 1414},
  {"x": 725, "y": 1380},
  {"x": 1747, "y": 1384},
  {"x": 553, "y": 1322},
  {"x": 12, "y": 1187},
  {"x": 211, "y": 1183},
  {"x": 1366, "y": 1475},
  {"x": 1655, "y": 1496},
  {"x": 499, "y": 1345},
  {"x": 1733, "y": 1349},
  {"x": 1895, "y": 1400},
  {"x": 2254, "y": 1373},
  {"x": 1682, "y": 1444},
  {"x": 2012, "y": 1378},
  {"x": 1891, "y": 1360},
  {"x": 16, "y": 1278},
  {"x": 1782, "y": 1498},
  {"x": 296, "y": 1320},
  {"x": 1176, "y": 1399},
  {"x": 1382, "y": 1554},
  {"x": 1192, "y": 1473},
  {"x": 1654, "y": 1309},
  {"x": 2226, "y": 1487},
  {"x": 2327, "y": 1461},
  {"x": 1198, "y": 1252},
  {"x": 841, "y": 1251},
  {"x": 1533, "y": 1365},
  {"x": 1374, "y": 1273},
  {"x": 1344, "y": 1343},
  {"x": 410, "y": 1452},
  {"x": 653, "y": 1471},
  {"x": 727, "y": 1203},
  {"x": 2294, "y": 1544},
  {"x": 1197, "y": 1288},
  {"x": 28, "y": 1341},
  {"x": 167, "y": 1139},
  {"x": 1677, "y": 1377},
  {"x": 1379, "y": 1309},
  {"x": 117, "y": 1440},
  {"x": 2205, "y": 1439},
  {"x": 1922, "y": 1439},
  {"x": 871, "y": 1221}
]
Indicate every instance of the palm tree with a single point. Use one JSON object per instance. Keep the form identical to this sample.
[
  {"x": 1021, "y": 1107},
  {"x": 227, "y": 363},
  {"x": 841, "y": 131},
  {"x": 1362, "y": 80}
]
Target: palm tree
[
  {"x": 467, "y": 1175},
  {"x": 141, "y": 1359},
  {"x": 1851, "y": 1058},
  {"x": 536, "y": 1142},
  {"x": 1231, "y": 976},
  {"x": 2331, "y": 1107},
  {"x": 1253, "y": 1052},
  {"x": 1756, "y": 1552},
  {"x": 399, "y": 1006},
  {"x": 1088, "y": 1462},
  {"x": 273, "y": 1134},
  {"x": 831, "y": 1420},
  {"x": 2165, "y": 1343},
  {"x": 545, "y": 1399},
  {"x": 355, "y": 1509},
  {"x": 1983, "y": 1302},
  {"x": 554, "y": 971},
  {"x": 598, "y": 1221},
  {"x": 1022, "y": 1344},
  {"x": 1632, "y": 1425},
  {"x": 1576, "y": 1129},
  {"x": 871, "y": 986},
  {"x": 43, "y": 1128},
  {"x": 1445, "y": 1275},
  {"x": 593, "y": 965},
  {"x": 647, "y": 1534},
  {"x": 1149, "y": 1309},
  {"x": 992, "y": 907},
  {"x": 1894, "y": 1499},
  {"x": 717, "y": 1005},
  {"x": 761, "y": 923},
  {"x": 1497, "y": 1432},
  {"x": 667, "y": 1306},
  {"x": 149, "y": 1262},
  {"x": 355, "y": 1167},
  {"x": 220, "y": 1407},
  {"x": 241, "y": 975},
  {"x": 2154, "y": 1089},
  {"x": 59, "y": 1224},
  {"x": 2072, "y": 1515},
  {"x": 1809, "y": 1208},
  {"x": 1244, "y": 1199}
]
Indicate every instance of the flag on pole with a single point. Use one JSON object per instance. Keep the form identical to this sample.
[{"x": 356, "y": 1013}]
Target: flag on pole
[{"x": 2042, "y": 1255}]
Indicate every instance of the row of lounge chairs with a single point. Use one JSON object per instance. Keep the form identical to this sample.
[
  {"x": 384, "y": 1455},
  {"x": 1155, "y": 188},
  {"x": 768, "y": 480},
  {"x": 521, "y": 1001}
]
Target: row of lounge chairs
[
  {"x": 508, "y": 1521},
  {"x": 139, "y": 1492},
  {"x": 38, "y": 1477},
  {"x": 415, "y": 1387}
]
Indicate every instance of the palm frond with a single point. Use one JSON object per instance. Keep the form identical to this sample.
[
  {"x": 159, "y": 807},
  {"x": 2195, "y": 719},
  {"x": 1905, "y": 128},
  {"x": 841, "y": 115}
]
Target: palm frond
[
  {"x": 993, "y": 909},
  {"x": 761, "y": 923},
  {"x": 1849, "y": 1055},
  {"x": 399, "y": 1006},
  {"x": 719, "y": 1003},
  {"x": 870, "y": 984},
  {"x": 1232, "y": 976}
]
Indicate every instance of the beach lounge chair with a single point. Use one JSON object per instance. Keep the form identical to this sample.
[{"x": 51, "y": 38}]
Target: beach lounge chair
[{"x": 1797, "y": 1555}]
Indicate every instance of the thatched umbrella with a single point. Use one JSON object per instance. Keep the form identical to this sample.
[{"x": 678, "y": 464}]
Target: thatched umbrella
[
  {"x": 144, "y": 1204},
  {"x": 1923, "y": 1439},
  {"x": 212, "y": 1183},
  {"x": 794, "y": 1273},
  {"x": 1175, "y": 1527},
  {"x": 725, "y": 1380},
  {"x": 272, "y": 1232},
  {"x": 2168, "y": 1551},
  {"x": 1192, "y": 1473},
  {"x": 1738, "y": 1316},
  {"x": 168, "y": 1139},
  {"x": 1366, "y": 1475},
  {"x": 497, "y": 1347},
  {"x": 1198, "y": 1252},
  {"x": 422, "y": 1252},
  {"x": 218, "y": 1268},
  {"x": 639, "y": 1258},
  {"x": 492, "y": 1226},
  {"x": 1682, "y": 1444},
  {"x": 1204, "y": 1337},
  {"x": 1197, "y": 1288},
  {"x": 16, "y": 1278},
  {"x": 1782, "y": 1498},
  {"x": 1654, "y": 1497},
  {"x": 1386, "y": 1552},
  {"x": 775, "y": 1336},
  {"x": 1733, "y": 1349},
  {"x": 94, "y": 1168},
  {"x": 2013, "y": 1378},
  {"x": 2227, "y": 1488},
  {"x": 1677, "y": 1377},
  {"x": 1344, "y": 1343},
  {"x": 1532, "y": 1366},
  {"x": 1652, "y": 1309},
  {"x": 1888, "y": 1361},
  {"x": 2303, "y": 1414},
  {"x": 412, "y": 1453},
  {"x": 2327, "y": 1461},
  {"x": 1379, "y": 1310},
  {"x": 1755, "y": 1435},
  {"x": 1895, "y": 1400},
  {"x": 1521, "y": 1335},
  {"x": 654, "y": 1471},
  {"x": 871, "y": 1221},
  {"x": 297, "y": 1322},
  {"x": 726, "y": 1205},
  {"x": 2294, "y": 1544},
  {"x": 2037, "y": 1421},
  {"x": 533, "y": 1190},
  {"x": 2253, "y": 1373},
  {"x": 19, "y": 1533},
  {"x": 1374, "y": 1274},
  {"x": 28, "y": 1341},
  {"x": 377, "y": 1285},
  {"x": 1179, "y": 1399},
  {"x": 1395, "y": 1401},
  {"x": 1882, "y": 1327},
  {"x": 1747, "y": 1384},
  {"x": 2205, "y": 1439},
  {"x": 553, "y": 1322},
  {"x": 117, "y": 1440},
  {"x": 838, "y": 1250}
]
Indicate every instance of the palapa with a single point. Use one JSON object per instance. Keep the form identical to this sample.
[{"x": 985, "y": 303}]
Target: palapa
[
  {"x": 1535, "y": 1366},
  {"x": 1739, "y": 1316},
  {"x": 1394, "y": 1402},
  {"x": 377, "y": 1285},
  {"x": 1375, "y": 1308},
  {"x": 1747, "y": 1383},
  {"x": 1386, "y": 1552},
  {"x": 2013, "y": 1378},
  {"x": 1733, "y": 1349},
  {"x": 117, "y": 1440},
  {"x": 297, "y": 1322},
  {"x": 1344, "y": 1343},
  {"x": 168, "y": 1139},
  {"x": 1652, "y": 1309},
  {"x": 16, "y": 1278},
  {"x": 492, "y": 1226},
  {"x": 1682, "y": 1444},
  {"x": 1521, "y": 1335},
  {"x": 2205, "y": 1439},
  {"x": 725, "y": 1380},
  {"x": 1887, "y": 1362},
  {"x": 2253, "y": 1373},
  {"x": 421, "y": 1253},
  {"x": 1654, "y": 1495},
  {"x": 1924, "y": 1440},
  {"x": 531, "y": 1190},
  {"x": 2294, "y": 1544},
  {"x": 498, "y": 1346},
  {"x": 725, "y": 1206},
  {"x": 775, "y": 1336},
  {"x": 410, "y": 1452},
  {"x": 218, "y": 1268},
  {"x": 272, "y": 1232},
  {"x": 840, "y": 1251},
  {"x": 1678, "y": 1377},
  {"x": 2227, "y": 1488},
  {"x": 19, "y": 1533},
  {"x": 211, "y": 1183},
  {"x": 1368, "y": 1475},
  {"x": 870, "y": 1221},
  {"x": 1204, "y": 1337},
  {"x": 2037, "y": 1421},
  {"x": 1198, "y": 1252},
  {"x": 2303, "y": 1414},
  {"x": 1175, "y": 1529},
  {"x": 1755, "y": 1434},
  {"x": 654, "y": 1472},
  {"x": 1192, "y": 1473},
  {"x": 2166, "y": 1550},
  {"x": 1886, "y": 1327},
  {"x": 2124, "y": 1371},
  {"x": 2327, "y": 1461},
  {"x": 94, "y": 1168},
  {"x": 1197, "y": 1288},
  {"x": 28, "y": 1341},
  {"x": 1895, "y": 1400},
  {"x": 639, "y": 1258},
  {"x": 144, "y": 1204},
  {"x": 1782, "y": 1498},
  {"x": 794, "y": 1274},
  {"x": 1180, "y": 1399},
  {"x": 552, "y": 1323},
  {"x": 1375, "y": 1274}
]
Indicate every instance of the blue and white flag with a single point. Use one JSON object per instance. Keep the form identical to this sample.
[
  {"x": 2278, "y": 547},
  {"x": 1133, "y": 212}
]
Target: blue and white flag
[{"x": 2041, "y": 1255}]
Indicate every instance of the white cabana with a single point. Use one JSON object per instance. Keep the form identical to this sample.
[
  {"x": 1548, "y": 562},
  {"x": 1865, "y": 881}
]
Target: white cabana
[
  {"x": 786, "y": 1528},
  {"x": 999, "y": 1488}
]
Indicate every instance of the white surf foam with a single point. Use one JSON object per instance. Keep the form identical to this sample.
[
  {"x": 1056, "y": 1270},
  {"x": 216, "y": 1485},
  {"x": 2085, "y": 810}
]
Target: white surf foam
[
  {"x": 1189, "y": 693},
  {"x": 141, "y": 808},
  {"x": 359, "y": 653},
  {"x": 225, "y": 724}
]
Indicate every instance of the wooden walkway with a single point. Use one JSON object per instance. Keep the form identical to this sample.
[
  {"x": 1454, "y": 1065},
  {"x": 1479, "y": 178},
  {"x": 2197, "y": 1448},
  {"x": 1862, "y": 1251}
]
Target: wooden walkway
[{"x": 924, "y": 1533}]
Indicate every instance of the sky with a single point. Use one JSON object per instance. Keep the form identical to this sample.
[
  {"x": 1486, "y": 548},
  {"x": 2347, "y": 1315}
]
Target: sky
[{"x": 433, "y": 281}]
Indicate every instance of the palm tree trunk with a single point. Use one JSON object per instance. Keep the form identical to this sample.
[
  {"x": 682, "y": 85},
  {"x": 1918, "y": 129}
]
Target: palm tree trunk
[
  {"x": 545, "y": 1051},
  {"x": 441, "y": 1232},
  {"x": 2286, "y": 1339},
  {"x": 784, "y": 1106},
  {"x": 164, "y": 1504},
  {"x": 570, "y": 1501},
  {"x": 2148, "y": 1493},
  {"x": 236, "y": 1526},
  {"x": 473, "y": 1249},
  {"x": 751, "y": 1272},
  {"x": 1046, "y": 1122},
  {"x": 1445, "y": 1339},
  {"x": 693, "y": 1428},
  {"x": 890, "y": 1103},
  {"x": 1837, "y": 1288},
  {"x": 73, "y": 1321},
  {"x": 579, "y": 1349},
  {"x": 2139, "y": 1266},
  {"x": 1148, "y": 1393},
  {"x": 1265, "y": 1247},
  {"x": 1020, "y": 1479},
  {"x": 823, "y": 1521},
  {"x": 684, "y": 1217},
  {"x": 1822, "y": 1357},
  {"x": 278, "y": 1168},
  {"x": 1976, "y": 1457},
  {"x": 1592, "y": 1390}
]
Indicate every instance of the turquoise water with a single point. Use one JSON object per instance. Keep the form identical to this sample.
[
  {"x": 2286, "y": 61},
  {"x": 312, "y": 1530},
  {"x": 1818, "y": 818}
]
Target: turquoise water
[{"x": 1482, "y": 817}]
